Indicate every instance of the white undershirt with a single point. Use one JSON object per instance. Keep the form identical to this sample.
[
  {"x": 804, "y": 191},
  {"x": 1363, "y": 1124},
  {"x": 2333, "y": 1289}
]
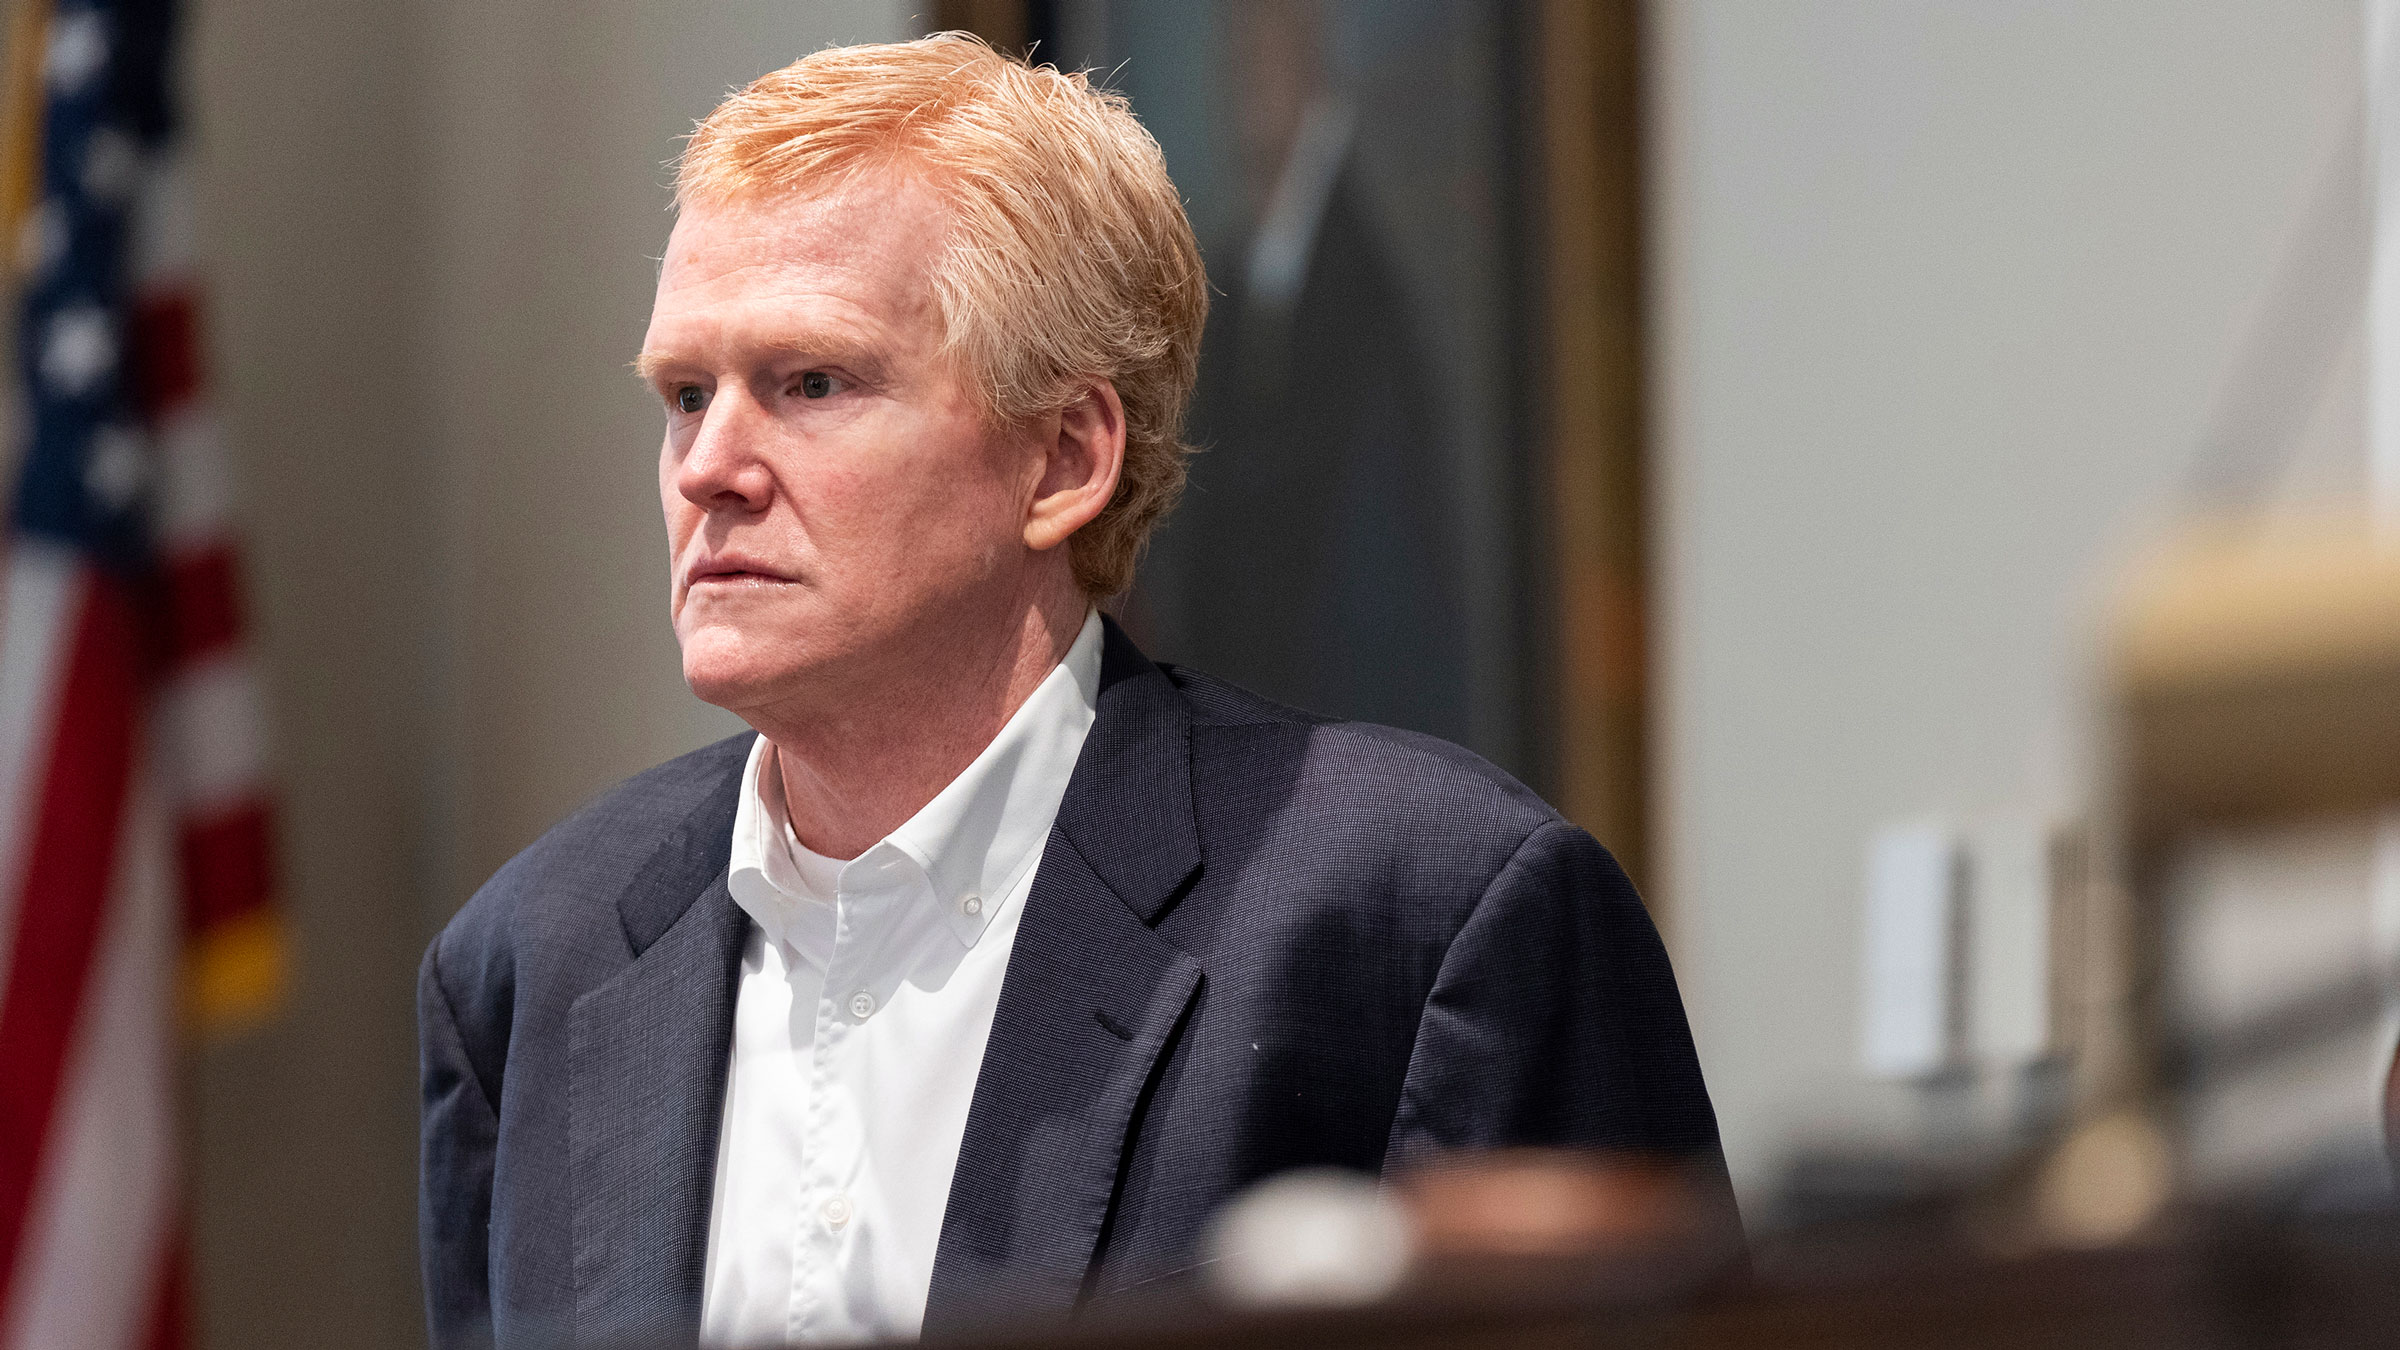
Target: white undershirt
[{"x": 866, "y": 996}]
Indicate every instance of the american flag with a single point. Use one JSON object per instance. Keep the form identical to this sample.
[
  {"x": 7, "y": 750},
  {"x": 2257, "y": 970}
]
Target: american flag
[{"x": 134, "y": 833}]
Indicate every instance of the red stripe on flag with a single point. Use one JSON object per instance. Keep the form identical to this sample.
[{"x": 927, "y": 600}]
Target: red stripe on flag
[
  {"x": 165, "y": 352},
  {"x": 75, "y": 824},
  {"x": 204, "y": 603},
  {"x": 170, "y": 1310},
  {"x": 228, "y": 857}
]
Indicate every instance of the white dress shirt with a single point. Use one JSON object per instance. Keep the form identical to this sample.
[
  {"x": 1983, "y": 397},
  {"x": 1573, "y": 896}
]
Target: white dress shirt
[{"x": 867, "y": 993}]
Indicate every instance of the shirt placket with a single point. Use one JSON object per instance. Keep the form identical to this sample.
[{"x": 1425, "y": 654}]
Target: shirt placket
[{"x": 828, "y": 1217}]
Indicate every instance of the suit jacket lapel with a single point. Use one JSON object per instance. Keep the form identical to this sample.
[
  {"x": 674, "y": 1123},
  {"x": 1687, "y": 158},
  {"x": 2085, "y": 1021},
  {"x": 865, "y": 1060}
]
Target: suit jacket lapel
[
  {"x": 1093, "y": 997},
  {"x": 647, "y": 1054}
]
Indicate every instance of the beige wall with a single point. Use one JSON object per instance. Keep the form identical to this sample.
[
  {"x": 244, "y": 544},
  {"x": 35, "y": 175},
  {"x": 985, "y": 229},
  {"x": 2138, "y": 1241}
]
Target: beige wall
[
  {"x": 302, "y": 1179},
  {"x": 1943, "y": 291},
  {"x": 429, "y": 227},
  {"x": 547, "y": 210}
]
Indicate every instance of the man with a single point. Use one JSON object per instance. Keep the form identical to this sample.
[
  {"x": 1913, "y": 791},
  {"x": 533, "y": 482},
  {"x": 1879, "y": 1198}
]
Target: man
[{"x": 1001, "y": 957}]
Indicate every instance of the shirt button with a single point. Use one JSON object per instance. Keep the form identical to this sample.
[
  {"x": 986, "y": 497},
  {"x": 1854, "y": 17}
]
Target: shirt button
[
  {"x": 862, "y": 1005},
  {"x": 837, "y": 1211},
  {"x": 971, "y": 905}
]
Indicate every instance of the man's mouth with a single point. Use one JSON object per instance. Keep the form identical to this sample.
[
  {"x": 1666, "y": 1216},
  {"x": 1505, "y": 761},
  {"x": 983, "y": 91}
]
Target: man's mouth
[{"x": 733, "y": 574}]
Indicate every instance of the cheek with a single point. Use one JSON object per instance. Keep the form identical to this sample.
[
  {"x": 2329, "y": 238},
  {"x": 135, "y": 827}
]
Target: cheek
[
  {"x": 976, "y": 477},
  {"x": 955, "y": 521},
  {"x": 682, "y": 521},
  {"x": 670, "y": 501},
  {"x": 943, "y": 499}
]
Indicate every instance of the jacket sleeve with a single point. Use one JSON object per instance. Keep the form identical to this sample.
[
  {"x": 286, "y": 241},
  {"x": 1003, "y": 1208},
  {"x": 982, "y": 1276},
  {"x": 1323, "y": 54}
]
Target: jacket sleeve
[
  {"x": 1554, "y": 1021},
  {"x": 459, "y": 1130}
]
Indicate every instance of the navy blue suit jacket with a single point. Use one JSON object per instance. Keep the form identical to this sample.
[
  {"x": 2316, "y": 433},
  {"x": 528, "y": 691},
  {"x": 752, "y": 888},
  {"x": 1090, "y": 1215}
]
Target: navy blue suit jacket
[{"x": 1257, "y": 940}]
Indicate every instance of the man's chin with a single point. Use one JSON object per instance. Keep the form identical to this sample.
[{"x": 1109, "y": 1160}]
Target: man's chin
[
  {"x": 732, "y": 689},
  {"x": 736, "y": 680}
]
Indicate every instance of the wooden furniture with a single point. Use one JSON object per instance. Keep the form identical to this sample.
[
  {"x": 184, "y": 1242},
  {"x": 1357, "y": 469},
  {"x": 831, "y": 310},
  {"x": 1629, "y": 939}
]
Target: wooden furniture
[
  {"x": 2217, "y": 1280},
  {"x": 2255, "y": 668}
]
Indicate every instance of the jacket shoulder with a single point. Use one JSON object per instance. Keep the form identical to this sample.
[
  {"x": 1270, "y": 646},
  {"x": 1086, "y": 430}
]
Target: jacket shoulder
[{"x": 1404, "y": 778}]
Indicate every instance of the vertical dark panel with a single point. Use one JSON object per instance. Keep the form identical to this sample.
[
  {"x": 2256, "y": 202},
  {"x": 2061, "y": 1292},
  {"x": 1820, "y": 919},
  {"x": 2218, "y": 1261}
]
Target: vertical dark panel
[
  {"x": 1589, "y": 53},
  {"x": 1009, "y": 25},
  {"x": 1356, "y": 539},
  {"x": 1422, "y": 496}
]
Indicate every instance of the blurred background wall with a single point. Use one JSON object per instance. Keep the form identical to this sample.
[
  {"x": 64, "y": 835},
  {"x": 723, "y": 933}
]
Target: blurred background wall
[
  {"x": 430, "y": 230},
  {"x": 1944, "y": 296},
  {"x": 1939, "y": 297}
]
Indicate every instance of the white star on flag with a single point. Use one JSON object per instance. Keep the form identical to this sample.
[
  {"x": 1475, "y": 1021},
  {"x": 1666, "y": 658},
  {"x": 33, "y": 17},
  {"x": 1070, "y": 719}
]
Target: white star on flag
[
  {"x": 80, "y": 350},
  {"x": 116, "y": 469},
  {"x": 78, "y": 48}
]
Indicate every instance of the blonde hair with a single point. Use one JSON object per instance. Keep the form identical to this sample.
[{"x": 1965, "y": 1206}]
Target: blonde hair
[{"x": 1069, "y": 257}]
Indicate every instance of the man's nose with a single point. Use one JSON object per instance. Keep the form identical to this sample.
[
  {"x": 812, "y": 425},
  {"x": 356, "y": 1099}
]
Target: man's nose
[{"x": 722, "y": 468}]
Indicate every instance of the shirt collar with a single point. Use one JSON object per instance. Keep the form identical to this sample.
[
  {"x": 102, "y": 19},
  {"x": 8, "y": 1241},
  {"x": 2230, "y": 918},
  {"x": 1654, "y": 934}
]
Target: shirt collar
[
  {"x": 761, "y": 875},
  {"x": 970, "y": 845}
]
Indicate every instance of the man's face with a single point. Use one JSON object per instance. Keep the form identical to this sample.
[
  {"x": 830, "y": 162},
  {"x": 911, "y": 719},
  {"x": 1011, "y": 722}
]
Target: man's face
[{"x": 834, "y": 502}]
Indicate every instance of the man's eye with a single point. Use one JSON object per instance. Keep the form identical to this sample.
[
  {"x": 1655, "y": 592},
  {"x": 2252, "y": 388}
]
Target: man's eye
[
  {"x": 817, "y": 384},
  {"x": 690, "y": 398}
]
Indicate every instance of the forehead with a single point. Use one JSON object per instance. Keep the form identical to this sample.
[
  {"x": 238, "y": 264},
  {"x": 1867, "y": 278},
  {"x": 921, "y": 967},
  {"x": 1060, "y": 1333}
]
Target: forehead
[{"x": 868, "y": 246}]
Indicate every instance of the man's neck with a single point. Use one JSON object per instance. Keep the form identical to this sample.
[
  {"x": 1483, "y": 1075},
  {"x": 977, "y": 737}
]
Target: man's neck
[{"x": 855, "y": 772}]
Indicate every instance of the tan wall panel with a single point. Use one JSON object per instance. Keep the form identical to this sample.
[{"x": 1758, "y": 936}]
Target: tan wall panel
[{"x": 428, "y": 230}]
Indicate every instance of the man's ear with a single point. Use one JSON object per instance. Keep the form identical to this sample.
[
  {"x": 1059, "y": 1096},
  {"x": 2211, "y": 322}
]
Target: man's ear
[{"x": 1081, "y": 460}]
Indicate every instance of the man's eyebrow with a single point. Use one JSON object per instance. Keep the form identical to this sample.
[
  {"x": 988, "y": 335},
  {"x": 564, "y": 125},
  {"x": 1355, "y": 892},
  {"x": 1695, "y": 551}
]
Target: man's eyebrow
[{"x": 824, "y": 344}]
